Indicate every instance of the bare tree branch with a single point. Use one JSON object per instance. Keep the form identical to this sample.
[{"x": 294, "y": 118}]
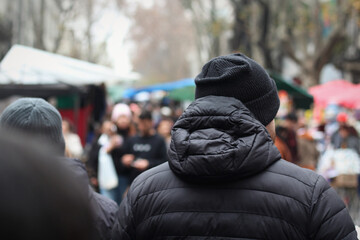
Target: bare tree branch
[
  {"x": 317, "y": 23},
  {"x": 323, "y": 55},
  {"x": 38, "y": 17},
  {"x": 64, "y": 17},
  {"x": 263, "y": 41},
  {"x": 290, "y": 52}
]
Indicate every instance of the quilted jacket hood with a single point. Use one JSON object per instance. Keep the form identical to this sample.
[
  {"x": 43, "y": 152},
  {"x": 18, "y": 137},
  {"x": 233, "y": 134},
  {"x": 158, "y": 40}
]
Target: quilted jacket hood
[{"x": 218, "y": 139}]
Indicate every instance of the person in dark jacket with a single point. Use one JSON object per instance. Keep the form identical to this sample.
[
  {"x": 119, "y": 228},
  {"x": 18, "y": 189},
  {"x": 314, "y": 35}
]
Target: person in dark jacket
[
  {"x": 42, "y": 122},
  {"x": 225, "y": 179},
  {"x": 146, "y": 149},
  {"x": 41, "y": 198}
]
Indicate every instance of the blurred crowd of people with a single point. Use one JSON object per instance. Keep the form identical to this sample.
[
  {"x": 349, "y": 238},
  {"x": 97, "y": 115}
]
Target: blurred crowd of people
[
  {"x": 331, "y": 149},
  {"x": 73, "y": 191},
  {"x": 131, "y": 139},
  {"x": 135, "y": 137},
  {"x": 303, "y": 145}
]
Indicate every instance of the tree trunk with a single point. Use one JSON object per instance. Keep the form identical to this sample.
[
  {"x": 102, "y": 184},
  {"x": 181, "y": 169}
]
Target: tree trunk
[
  {"x": 263, "y": 41},
  {"x": 89, "y": 13},
  {"x": 39, "y": 20},
  {"x": 241, "y": 40},
  {"x": 310, "y": 75},
  {"x": 215, "y": 49},
  {"x": 64, "y": 18},
  {"x": 58, "y": 39}
]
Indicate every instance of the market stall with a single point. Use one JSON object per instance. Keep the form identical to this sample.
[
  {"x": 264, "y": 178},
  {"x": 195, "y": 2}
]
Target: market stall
[{"x": 74, "y": 84}]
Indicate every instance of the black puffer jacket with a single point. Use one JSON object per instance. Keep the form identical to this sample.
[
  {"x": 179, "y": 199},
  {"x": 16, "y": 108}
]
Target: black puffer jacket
[
  {"x": 104, "y": 209},
  {"x": 226, "y": 181}
]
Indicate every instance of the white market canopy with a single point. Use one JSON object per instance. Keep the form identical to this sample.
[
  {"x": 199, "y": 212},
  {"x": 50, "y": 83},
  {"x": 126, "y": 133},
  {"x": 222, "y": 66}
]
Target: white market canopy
[{"x": 28, "y": 66}]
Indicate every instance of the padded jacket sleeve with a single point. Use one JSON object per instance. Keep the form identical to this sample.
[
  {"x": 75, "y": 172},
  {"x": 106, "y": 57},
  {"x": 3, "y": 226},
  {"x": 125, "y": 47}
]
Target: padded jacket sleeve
[
  {"x": 124, "y": 227},
  {"x": 161, "y": 153},
  {"x": 329, "y": 216}
]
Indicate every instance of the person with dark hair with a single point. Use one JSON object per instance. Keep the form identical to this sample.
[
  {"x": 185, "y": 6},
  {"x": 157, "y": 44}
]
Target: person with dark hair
[
  {"x": 290, "y": 124},
  {"x": 346, "y": 136},
  {"x": 343, "y": 138},
  {"x": 42, "y": 122},
  {"x": 164, "y": 129},
  {"x": 225, "y": 178},
  {"x": 145, "y": 150},
  {"x": 41, "y": 198},
  {"x": 280, "y": 143}
]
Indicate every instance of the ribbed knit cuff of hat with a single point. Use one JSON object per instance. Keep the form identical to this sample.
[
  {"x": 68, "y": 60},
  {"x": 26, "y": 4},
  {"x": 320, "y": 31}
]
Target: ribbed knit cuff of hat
[{"x": 266, "y": 107}]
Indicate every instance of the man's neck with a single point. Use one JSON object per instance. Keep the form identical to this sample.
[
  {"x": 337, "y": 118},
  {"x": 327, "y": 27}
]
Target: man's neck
[{"x": 149, "y": 133}]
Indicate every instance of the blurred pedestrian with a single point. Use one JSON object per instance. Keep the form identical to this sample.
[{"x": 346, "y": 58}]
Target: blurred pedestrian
[
  {"x": 122, "y": 117},
  {"x": 41, "y": 198},
  {"x": 164, "y": 129},
  {"x": 280, "y": 143},
  {"x": 290, "y": 123},
  {"x": 125, "y": 128},
  {"x": 225, "y": 178},
  {"x": 40, "y": 120},
  {"x": 346, "y": 136},
  {"x": 344, "y": 139},
  {"x": 308, "y": 154},
  {"x": 145, "y": 150},
  {"x": 73, "y": 146},
  {"x": 101, "y": 164}
]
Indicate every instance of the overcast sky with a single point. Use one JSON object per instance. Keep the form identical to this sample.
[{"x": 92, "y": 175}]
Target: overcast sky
[{"x": 115, "y": 26}]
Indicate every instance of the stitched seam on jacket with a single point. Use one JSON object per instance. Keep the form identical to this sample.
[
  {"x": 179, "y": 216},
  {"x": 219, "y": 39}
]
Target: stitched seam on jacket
[
  {"x": 322, "y": 194},
  {"x": 290, "y": 177},
  {"x": 330, "y": 218},
  {"x": 250, "y": 150},
  {"x": 123, "y": 229},
  {"x": 206, "y": 237},
  {"x": 345, "y": 238},
  {"x": 177, "y": 153},
  {"x": 311, "y": 205},
  {"x": 298, "y": 228},
  {"x": 132, "y": 217},
  {"x": 225, "y": 116},
  {"x": 313, "y": 191},
  {"x": 342, "y": 209},
  {"x": 216, "y": 154},
  {"x": 334, "y": 215},
  {"x": 144, "y": 181},
  {"x": 227, "y": 189}
]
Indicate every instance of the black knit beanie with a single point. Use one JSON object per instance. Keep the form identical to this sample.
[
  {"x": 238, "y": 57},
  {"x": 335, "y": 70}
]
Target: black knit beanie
[
  {"x": 36, "y": 117},
  {"x": 242, "y": 78}
]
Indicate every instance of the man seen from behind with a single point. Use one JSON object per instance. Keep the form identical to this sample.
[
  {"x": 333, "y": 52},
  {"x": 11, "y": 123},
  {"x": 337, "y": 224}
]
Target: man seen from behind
[{"x": 225, "y": 178}]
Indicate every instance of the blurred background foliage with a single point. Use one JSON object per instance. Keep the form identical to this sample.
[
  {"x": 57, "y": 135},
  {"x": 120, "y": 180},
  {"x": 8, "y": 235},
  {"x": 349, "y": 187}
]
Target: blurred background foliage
[{"x": 170, "y": 40}]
